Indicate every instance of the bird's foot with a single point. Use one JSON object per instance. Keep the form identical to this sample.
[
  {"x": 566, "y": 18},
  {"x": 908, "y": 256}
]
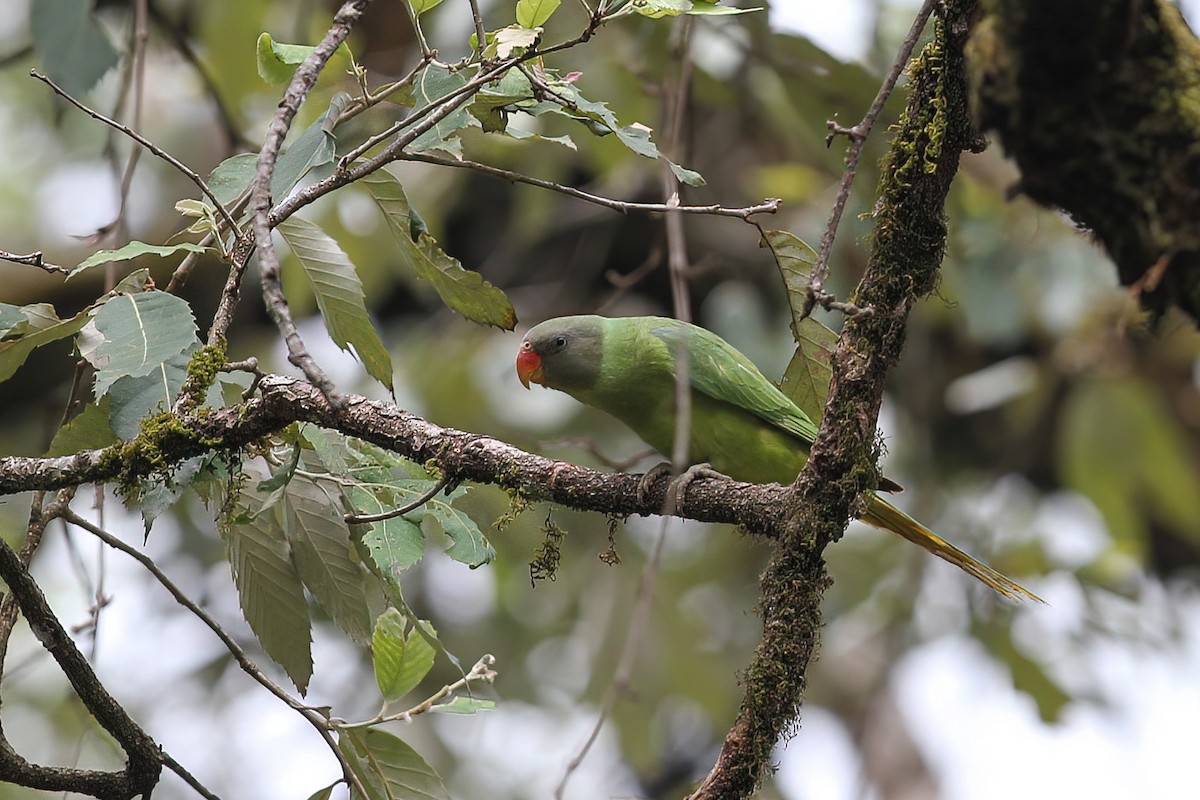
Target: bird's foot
[
  {"x": 677, "y": 490},
  {"x": 651, "y": 477}
]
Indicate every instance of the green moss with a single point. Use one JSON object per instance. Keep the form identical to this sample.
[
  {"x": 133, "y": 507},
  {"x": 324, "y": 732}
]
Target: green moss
[{"x": 202, "y": 371}]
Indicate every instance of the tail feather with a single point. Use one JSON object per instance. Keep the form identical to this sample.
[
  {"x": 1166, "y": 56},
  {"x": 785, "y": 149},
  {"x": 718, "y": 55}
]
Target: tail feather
[{"x": 883, "y": 514}]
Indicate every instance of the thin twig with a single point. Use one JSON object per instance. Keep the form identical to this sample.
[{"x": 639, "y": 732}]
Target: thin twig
[
  {"x": 33, "y": 259},
  {"x": 144, "y": 142},
  {"x": 248, "y": 666},
  {"x": 482, "y": 671},
  {"x": 480, "y": 32},
  {"x": 260, "y": 193},
  {"x": 768, "y": 206},
  {"x": 170, "y": 763},
  {"x": 858, "y": 137},
  {"x": 402, "y": 510}
]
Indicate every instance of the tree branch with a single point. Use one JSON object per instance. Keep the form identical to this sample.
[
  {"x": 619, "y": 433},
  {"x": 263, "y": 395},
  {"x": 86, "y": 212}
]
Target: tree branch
[
  {"x": 144, "y": 762},
  {"x": 910, "y": 234},
  {"x": 461, "y": 455}
]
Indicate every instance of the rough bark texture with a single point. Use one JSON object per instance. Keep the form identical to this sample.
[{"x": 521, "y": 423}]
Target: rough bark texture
[
  {"x": 1098, "y": 102},
  {"x": 909, "y": 240}
]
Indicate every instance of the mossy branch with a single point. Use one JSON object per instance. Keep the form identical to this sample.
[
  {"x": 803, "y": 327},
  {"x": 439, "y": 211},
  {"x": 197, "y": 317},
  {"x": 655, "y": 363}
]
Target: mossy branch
[{"x": 909, "y": 240}]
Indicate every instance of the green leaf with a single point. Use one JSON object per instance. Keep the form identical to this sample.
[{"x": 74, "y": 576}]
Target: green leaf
[
  {"x": 389, "y": 768},
  {"x": 41, "y": 326},
  {"x": 232, "y": 177},
  {"x": 88, "y": 430},
  {"x": 467, "y": 542},
  {"x": 158, "y": 494},
  {"x": 135, "y": 249},
  {"x": 432, "y": 87},
  {"x": 313, "y": 148},
  {"x": 339, "y": 295},
  {"x": 402, "y": 658},
  {"x": 419, "y": 7},
  {"x": 710, "y": 8},
  {"x": 462, "y": 290},
  {"x": 277, "y": 62},
  {"x": 534, "y": 13},
  {"x": 393, "y": 544},
  {"x": 13, "y": 320},
  {"x": 270, "y": 591},
  {"x": 321, "y": 550},
  {"x": 324, "y": 794},
  {"x": 806, "y": 379},
  {"x": 134, "y": 399},
  {"x": 140, "y": 332},
  {"x": 461, "y": 704},
  {"x": 661, "y": 8},
  {"x": 71, "y": 45},
  {"x": 686, "y": 176}
]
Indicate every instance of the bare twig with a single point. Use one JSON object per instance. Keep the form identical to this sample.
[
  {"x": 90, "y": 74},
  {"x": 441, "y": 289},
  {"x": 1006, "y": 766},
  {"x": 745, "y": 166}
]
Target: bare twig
[
  {"x": 402, "y": 510},
  {"x": 768, "y": 206},
  {"x": 33, "y": 259},
  {"x": 170, "y": 763},
  {"x": 482, "y": 671},
  {"x": 260, "y": 192},
  {"x": 675, "y": 104},
  {"x": 144, "y": 142},
  {"x": 858, "y": 137},
  {"x": 244, "y": 661}
]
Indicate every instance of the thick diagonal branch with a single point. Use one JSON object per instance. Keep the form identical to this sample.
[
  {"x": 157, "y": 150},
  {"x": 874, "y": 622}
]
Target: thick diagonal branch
[{"x": 909, "y": 239}]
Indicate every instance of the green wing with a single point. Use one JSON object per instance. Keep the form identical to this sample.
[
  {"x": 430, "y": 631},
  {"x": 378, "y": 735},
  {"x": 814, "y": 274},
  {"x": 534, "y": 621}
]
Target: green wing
[{"x": 723, "y": 373}]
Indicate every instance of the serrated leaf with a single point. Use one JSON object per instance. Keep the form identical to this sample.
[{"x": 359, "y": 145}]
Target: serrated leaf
[
  {"x": 806, "y": 379},
  {"x": 517, "y": 133},
  {"x": 134, "y": 399},
  {"x": 432, "y": 87},
  {"x": 135, "y": 249},
  {"x": 685, "y": 176},
  {"x": 140, "y": 332},
  {"x": 71, "y": 46},
  {"x": 468, "y": 544},
  {"x": 389, "y": 768},
  {"x": 461, "y": 704},
  {"x": 462, "y": 290},
  {"x": 315, "y": 147},
  {"x": 37, "y": 330},
  {"x": 795, "y": 259},
  {"x": 393, "y": 544},
  {"x": 321, "y": 549},
  {"x": 232, "y": 177},
  {"x": 158, "y": 493},
  {"x": 89, "y": 430},
  {"x": 339, "y": 295},
  {"x": 329, "y": 448},
  {"x": 402, "y": 657},
  {"x": 534, "y": 13},
  {"x": 270, "y": 591},
  {"x": 513, "y": 38}
]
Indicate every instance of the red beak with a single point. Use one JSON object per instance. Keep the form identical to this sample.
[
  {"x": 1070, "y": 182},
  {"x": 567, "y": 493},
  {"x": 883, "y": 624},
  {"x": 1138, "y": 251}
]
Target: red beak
[{"x": 529, "y": 365}]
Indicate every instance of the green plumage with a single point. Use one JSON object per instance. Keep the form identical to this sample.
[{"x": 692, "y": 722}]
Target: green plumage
[{"x": 741, "y": 424}]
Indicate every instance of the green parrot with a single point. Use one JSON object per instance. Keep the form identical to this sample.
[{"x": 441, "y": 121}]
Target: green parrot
[{"x": 741, "y": 424}]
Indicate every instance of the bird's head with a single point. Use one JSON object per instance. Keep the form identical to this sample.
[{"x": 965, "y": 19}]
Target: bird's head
[{"x": 562, "y": 353}]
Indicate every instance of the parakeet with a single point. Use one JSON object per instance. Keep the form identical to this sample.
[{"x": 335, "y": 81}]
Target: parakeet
[{"x": 741, "y": 424}]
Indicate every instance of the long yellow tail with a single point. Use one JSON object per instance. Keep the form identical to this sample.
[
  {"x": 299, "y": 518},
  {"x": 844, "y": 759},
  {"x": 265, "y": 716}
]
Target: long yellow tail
[{"x": 883, "y": 514}]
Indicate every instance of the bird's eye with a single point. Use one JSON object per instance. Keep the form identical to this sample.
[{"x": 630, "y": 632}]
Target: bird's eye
[{"x": 560, "y": 342}]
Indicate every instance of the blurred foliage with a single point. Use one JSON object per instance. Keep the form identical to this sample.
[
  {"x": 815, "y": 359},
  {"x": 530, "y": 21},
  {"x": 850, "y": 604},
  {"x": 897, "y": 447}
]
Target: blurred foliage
[{"x": 1029, "y": 376}]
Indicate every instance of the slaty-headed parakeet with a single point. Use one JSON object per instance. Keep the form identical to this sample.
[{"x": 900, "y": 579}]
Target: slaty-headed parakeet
[{"x": 741, "y": 424}]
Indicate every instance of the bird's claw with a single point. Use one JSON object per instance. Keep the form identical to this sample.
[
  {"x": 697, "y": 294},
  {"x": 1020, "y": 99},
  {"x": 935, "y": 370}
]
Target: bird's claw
[{"x": 677, "y": 490}]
